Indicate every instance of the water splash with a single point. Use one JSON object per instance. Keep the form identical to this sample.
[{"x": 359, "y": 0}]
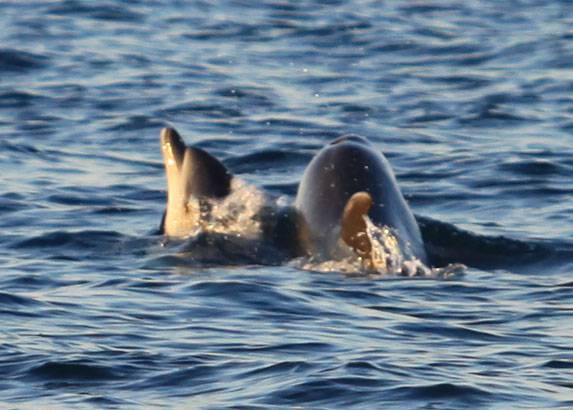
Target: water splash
[
  {"x": 236, "y": 215},
  {"x": 388, "y": 259},
  {"x": 386, "y": 253}
]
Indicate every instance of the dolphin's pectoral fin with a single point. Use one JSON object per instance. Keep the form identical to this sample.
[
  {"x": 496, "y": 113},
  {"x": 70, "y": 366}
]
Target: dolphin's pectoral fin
[{"x": 353, "y": 225}]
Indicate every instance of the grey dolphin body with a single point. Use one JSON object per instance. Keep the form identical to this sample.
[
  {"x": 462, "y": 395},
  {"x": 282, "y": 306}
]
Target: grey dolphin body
[
  {"x": 349, "y": 176},
  {"x": 191, "y": 172}
]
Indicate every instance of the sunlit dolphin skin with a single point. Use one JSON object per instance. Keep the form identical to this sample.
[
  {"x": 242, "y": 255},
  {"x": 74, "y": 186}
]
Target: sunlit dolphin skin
[
  {"x": 346, "y": 180},
  {"x": 191, "y": 172}
]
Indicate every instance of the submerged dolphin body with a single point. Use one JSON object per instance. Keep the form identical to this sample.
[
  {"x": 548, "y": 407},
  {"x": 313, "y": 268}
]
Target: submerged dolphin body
[{"x": 345, "y": 181}]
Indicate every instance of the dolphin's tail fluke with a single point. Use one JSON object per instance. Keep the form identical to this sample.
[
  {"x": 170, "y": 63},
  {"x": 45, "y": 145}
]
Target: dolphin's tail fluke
[
  {"x": 191, "y": 172},
  {"x": 353, "y": 225}
]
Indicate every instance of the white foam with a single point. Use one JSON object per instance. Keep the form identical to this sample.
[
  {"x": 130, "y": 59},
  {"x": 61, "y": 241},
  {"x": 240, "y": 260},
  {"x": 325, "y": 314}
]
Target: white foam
[
  {"x": 236, "y": 215},
  {"x": 388, "y": 260}
]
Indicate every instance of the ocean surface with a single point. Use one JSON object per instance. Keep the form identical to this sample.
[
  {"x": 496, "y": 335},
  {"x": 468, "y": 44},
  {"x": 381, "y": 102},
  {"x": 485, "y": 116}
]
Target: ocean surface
[{"x": 471, "y": 102}]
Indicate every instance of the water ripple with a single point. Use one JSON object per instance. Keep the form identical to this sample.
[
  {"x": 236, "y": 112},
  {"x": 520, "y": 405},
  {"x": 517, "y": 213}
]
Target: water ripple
[
  {"x": 104, "y": 12},
  {"x": 19, "y": 61},
  {"x": 77, "y": 372}
]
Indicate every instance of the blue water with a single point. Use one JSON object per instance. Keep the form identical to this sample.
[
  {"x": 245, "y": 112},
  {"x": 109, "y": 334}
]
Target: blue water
[{"x": 472, "y": 103}]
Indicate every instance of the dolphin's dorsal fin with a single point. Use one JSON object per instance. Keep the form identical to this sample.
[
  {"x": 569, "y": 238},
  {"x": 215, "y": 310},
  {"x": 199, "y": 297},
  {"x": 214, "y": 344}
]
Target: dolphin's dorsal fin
[
  {"x": 191, "y": 172},
  {"x": 353, "y": 226}
]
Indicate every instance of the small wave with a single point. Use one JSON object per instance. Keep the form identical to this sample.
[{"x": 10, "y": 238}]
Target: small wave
[
  {"x": 73, "y": 372},
  {"x": 27, "y": 151},
  {"x": 248, "y": 95},
  {"x": 228, "y": 30},
  {"x": 326, "y": 392},
  {"x": 10, "y": 299},
  {"x": 278, "y": 369},
  {"x": 207, "y": 110},
  {"x": 8, "y": 205},
  {"x": 105, "y": 12},
  {"x": 432, "y": 8},
  {"x": 21, "y": 61},
  {"x": 75, "y": 241},
  {"x": 266, "y": 299},
  {"x": 442, "y": 391},
  {"x": 535, "y": 167},
  {"x": 134, "y": 123},
  {"x": 101, "y": 401},
  {"x": 195, "y": 375},
  {"x": 278, "y": 122},
  {"x": 559, "y": 364},
  {"x": 461, "y": 82},
  {"x": 449, "y": 332},
  {"x": 461, "y": 48},
  {"x": 296, "y": 348},
  {"x": 494, "y": 116},
  {"x": 19, "y": 99},
  {"x": 75, "y": 200}
]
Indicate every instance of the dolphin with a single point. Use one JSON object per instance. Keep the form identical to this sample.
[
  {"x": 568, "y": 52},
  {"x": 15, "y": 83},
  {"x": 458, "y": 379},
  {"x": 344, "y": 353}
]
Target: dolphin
[
  {"x": 345, "y": 181},
  {"x": 191, "y": 172}
]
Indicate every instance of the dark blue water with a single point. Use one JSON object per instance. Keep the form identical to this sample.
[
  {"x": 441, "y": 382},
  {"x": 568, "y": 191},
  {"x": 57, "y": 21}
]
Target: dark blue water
[{"x": 471, "y": 101}]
